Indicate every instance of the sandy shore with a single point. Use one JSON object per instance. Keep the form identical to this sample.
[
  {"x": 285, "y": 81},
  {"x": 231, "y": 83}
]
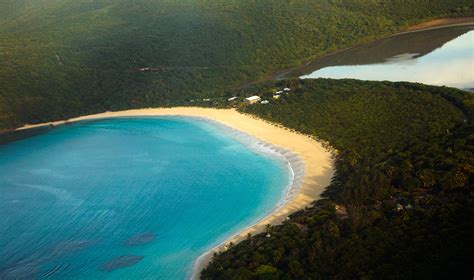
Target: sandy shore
[{"x": 317, "y": 160}]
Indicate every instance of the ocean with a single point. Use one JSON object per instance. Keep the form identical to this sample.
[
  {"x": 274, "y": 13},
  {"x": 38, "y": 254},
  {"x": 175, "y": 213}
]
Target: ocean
[{"x": 129, "y": 198}]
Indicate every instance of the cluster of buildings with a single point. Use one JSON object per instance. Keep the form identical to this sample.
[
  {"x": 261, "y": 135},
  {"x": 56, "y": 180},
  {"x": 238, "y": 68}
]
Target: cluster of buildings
[
  {"x": 256, "y": 99},
  {"x": 278, "y": 94}
]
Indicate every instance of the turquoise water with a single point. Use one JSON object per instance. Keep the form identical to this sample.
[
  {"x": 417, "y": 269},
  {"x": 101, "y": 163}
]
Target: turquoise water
[
  {"x": 127, "y": 198},
  {"x": 451, "y": 64}
]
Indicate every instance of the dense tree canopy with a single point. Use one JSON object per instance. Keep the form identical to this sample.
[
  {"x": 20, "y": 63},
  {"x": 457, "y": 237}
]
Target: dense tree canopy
[
  {"x": 401, "y": 204},
  {"x": 403, "y": 186},
  {"x": 63, "y": 58}
]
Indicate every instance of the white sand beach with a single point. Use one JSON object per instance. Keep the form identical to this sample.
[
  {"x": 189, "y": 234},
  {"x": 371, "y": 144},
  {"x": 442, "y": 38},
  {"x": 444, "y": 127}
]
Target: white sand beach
[{"x": 318, "y": 161}]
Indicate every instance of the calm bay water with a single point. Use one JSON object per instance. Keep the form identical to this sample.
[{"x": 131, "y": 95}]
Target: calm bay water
[
  {"x": 437, "y": 57},
  {"x": 127, "y": 198}
]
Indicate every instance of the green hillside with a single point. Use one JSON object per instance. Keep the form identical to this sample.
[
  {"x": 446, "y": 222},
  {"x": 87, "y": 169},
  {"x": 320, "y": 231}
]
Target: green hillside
[
  {"x": 403, "y": 186},
  {"x": 63, "y": 58}
]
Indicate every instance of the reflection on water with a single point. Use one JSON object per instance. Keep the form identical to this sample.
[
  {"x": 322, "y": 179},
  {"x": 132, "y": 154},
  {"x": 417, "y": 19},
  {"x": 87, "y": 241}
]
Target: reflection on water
[{"x": 438, "y": 57}]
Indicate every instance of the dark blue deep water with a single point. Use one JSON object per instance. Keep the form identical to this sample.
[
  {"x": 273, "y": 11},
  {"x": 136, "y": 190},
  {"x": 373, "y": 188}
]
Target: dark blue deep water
[{"x": 127, "y": 198}]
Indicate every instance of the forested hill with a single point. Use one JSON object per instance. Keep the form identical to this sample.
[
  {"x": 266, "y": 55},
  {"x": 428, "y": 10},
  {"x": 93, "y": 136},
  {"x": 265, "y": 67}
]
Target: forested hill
[
  {"x": 63, "y": 58},
  {"x": 401, "y": 204}
]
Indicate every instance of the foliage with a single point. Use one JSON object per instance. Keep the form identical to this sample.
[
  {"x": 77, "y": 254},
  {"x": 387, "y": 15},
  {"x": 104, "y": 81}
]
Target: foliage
[
  {"x": 403, "y": 185},
  {"x": 63, "y": 58},
  {"x": 398, "y": 143}
]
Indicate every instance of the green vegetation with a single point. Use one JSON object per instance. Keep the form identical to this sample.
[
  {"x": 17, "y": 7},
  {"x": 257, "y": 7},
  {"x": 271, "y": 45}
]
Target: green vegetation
[
  {"x": 401, "y": 204},
  {"x": 401, "y": 145},
  {"x": 63, "y": 58}
]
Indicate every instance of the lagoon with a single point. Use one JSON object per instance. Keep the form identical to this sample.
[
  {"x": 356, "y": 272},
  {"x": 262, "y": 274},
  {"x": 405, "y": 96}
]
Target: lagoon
[
  {"x": 129, "y": 198},
  {"x": 442, "y": 57}
]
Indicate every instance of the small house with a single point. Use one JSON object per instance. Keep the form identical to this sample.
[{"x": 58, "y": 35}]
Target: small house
[
  {"x": 287, "y": 89},
  {"x": 279, "y": 92},
  {"x": 252, "y": 99},
  {"x": 264, "y": 102},
  {"x": 276, "y": 96},
  {"x": 232, "y": 98},
  {"x": 399, "y": 207}
]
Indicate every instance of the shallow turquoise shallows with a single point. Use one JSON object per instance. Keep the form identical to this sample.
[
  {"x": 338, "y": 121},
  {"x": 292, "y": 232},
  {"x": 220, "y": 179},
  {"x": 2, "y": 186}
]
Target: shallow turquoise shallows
[{"x": 128, "y": 198}]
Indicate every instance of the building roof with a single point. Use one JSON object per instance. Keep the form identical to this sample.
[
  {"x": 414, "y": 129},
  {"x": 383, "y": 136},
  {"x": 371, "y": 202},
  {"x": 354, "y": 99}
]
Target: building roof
[{"x": 253, "y": 98}]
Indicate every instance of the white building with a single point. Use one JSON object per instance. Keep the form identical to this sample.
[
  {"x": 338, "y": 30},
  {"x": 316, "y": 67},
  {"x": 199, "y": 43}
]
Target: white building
[
  {"x": 276, "y": 96},
  {"x": 286, "y": 89},
  {"x": 264, "y": 102},
  {"x": 232, "y": 98},
  {"x": 253, "y": 99},
  {"x": 279, "y": 92}
]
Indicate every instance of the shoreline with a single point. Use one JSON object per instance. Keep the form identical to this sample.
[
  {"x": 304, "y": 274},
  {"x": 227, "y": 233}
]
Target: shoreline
[
  {"x": 440, "y": 23},
  {"x": 424, "y": 26},
  {"x": 309, "y": 160},
  {"x": 295, "y": 167},
  {"x": 290, "y": 159}
]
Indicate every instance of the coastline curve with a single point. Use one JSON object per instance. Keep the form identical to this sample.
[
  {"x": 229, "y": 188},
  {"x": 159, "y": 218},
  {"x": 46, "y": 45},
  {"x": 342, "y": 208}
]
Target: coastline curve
[
  {"x": 312, "y": 161},
  {"x": 296, "y": 170}
]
